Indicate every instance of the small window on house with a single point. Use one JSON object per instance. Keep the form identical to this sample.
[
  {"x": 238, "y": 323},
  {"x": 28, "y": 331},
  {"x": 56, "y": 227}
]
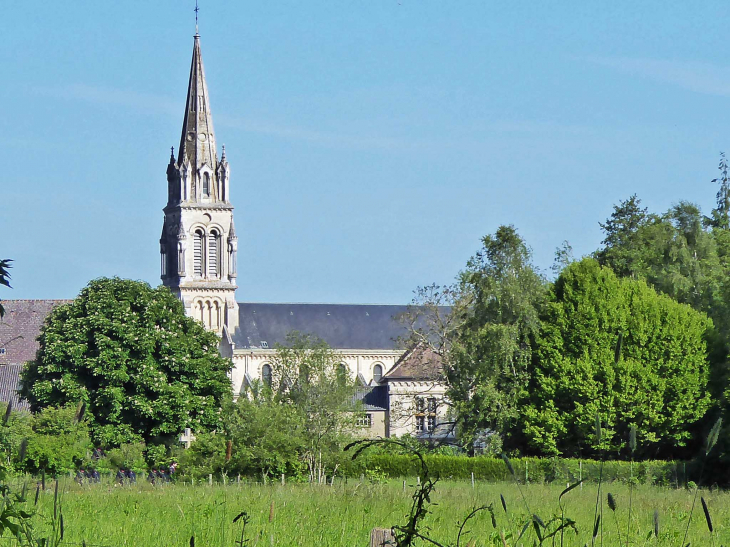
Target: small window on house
[
  {"x": 266, "y": 375},
  {"x": 431, "y": 424},
  {"x": 264, "y": 344},
  {"x": 420, "y": 424},
  {"x": 431, "y": 405},
  {"x": 364, "y": 421},
  {"x": 2, "y": 351},
  {"x": 377, "y": 373}
]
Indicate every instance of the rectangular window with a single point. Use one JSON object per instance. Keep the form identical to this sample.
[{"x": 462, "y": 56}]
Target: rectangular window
[
  {"x": 431, "y": 424},
  {"x": 364, "y": 421},
  {"x": 420, "y": 405},
  {"x": 432, "y": 405},
  {"x": 420, "y": 424}
]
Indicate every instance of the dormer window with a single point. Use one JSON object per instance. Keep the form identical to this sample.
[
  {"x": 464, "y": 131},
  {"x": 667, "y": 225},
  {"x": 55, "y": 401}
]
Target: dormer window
[{"x": 206, "y": 185}]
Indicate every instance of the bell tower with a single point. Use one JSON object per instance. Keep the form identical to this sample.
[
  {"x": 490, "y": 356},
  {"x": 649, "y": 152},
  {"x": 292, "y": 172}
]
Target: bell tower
[{"x": 198, "y": 245}]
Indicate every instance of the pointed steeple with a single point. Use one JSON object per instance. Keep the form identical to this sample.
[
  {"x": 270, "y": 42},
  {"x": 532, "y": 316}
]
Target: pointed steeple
[{"x": 197, "y": 143}]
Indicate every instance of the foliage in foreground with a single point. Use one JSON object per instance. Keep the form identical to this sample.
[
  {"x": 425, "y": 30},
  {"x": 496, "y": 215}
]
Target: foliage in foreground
[{"x": 143, "y": 368}]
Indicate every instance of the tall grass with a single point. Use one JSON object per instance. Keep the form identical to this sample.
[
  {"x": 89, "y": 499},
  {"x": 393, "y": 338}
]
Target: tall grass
[{"x": 344, "y": 515}]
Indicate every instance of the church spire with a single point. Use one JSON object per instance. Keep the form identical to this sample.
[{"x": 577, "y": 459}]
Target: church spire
[{"x": 197, "y": 142}]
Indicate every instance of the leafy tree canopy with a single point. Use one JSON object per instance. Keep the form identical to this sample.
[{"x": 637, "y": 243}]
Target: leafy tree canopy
[
  {"x": 311, "y": 377},
  {"x": 144, "y": 369},
  {"x": 487, "y": 366},
  {"x": 658, "y": 383}
]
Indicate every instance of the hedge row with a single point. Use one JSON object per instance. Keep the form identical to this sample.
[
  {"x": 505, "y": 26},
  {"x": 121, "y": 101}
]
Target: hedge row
[{"x": 537, "y": 470}]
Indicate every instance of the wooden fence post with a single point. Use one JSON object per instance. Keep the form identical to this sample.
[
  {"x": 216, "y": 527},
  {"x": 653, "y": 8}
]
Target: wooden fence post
[
  {"x": 381, "y": 537},
  {"x": 472, "y": 479},
  {"x": 210, "y": 479},
  {"x": 283, "y": 479}
]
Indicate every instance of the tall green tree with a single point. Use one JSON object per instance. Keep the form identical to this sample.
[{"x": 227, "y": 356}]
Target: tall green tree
[
  {"x": 721, "y": 213},
  {"x": 144, "y": 369},
  {"x": 622, "y": 246},
  {"x": 659, "y": 382},
  {"x": 310, "y": 376},
  {"x": 487, "y": 366}
]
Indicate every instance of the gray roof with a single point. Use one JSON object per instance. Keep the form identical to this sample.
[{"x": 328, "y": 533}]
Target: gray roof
[
  {"x": 342, "y": 326},
  {"x": 9, "y": 385},
  {"x": 20, "y": 327},
  {"x": 373, "y": 398}
]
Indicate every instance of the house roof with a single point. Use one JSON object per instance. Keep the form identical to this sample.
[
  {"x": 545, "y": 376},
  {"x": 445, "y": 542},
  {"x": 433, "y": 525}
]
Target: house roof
[
  {"x": 20, "y": 327},
  {"x": 374, "y": 398},
  {"x": 9, "y": 385},
  {"x": 342, "y": 326},
  {"x": 418, "y": 363}
]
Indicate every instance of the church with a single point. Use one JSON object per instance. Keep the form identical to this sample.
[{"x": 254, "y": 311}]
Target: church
[{"x": 400, "y": 390}]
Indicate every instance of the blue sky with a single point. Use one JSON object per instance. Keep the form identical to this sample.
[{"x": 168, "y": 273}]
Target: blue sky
[{"x": 372, "y": 143}]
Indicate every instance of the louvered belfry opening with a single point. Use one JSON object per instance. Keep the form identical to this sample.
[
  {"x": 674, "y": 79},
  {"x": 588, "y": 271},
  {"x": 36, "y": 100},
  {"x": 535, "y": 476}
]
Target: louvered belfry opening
[
  {"x": 213, "y": 255},
  {"x": 198, "y": 254}
]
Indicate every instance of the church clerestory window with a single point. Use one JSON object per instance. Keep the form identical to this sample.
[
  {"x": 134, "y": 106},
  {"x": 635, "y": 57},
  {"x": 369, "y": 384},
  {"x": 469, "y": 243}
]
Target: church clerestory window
[
  {"x": 377, "y": 373},
  {"x": 266, "y": 376}
]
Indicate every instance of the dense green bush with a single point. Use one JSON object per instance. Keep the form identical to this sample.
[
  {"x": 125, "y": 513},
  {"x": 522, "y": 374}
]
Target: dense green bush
[{"x": 536, "y": 470}]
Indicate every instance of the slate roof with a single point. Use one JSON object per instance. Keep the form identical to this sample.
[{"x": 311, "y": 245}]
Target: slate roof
[
  {"x": 9, "y": 385},
  {"x": 20, "y": 327},
  {"x": 342, "y": 326},
  {"x": 418, "y": 363},
  {"x": 373, "y": 398}
]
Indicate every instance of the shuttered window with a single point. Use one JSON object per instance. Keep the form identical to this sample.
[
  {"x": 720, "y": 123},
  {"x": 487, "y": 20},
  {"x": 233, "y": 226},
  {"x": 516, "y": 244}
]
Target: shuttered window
[
  {"x": 213, "y": 262},
  {"x": 198, "y": 254}
]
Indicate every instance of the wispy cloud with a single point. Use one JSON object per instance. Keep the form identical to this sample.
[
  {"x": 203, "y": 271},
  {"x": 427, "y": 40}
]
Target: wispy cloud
[
  {"x": 700, "y": 77},
  {"x": 103, "y": 95},
  {"x": 474, "y": 134}
]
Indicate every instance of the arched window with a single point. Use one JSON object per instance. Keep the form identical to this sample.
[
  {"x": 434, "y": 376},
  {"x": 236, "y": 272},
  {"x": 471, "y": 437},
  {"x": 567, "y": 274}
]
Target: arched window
[
  {"x": 200, "y": 310},
  {"x": 213, "y": 254},
  {"x": 198, "y": 256},
  {"x": 206, "y": 185},
  {"x": 377, "y": 373},
  {"x": 216, "y": 315},
  {"x": 266, "y": 375}
]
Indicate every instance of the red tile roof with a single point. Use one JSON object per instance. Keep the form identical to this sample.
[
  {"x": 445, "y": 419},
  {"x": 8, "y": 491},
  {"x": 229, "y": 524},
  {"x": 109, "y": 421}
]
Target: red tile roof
[{"x": 418, "y": 363}]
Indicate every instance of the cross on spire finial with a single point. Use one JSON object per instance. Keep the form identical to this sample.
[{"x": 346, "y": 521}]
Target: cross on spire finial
[{"x": 197, "y": 9}]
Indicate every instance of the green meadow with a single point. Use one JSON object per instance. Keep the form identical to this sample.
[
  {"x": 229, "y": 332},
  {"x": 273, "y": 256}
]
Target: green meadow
[{"x": 344, "y": 514}]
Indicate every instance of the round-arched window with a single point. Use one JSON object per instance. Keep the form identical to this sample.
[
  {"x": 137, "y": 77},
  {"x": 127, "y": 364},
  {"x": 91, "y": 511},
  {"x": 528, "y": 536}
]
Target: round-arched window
[
  {"x": 266, "y": 375},
  {"x": 377, "y": 373}
]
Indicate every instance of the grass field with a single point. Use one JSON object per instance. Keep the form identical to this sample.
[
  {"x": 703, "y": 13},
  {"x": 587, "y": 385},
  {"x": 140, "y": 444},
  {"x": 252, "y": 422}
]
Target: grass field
[{"x": 344, "y": 514}]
